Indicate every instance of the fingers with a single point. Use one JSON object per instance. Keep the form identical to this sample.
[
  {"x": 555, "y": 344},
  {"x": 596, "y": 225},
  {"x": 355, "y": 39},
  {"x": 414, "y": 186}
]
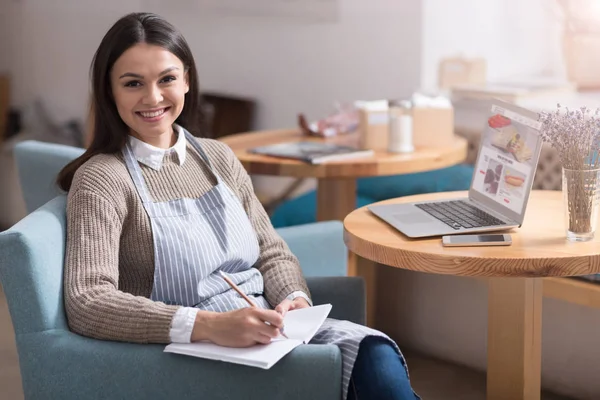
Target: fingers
[
  {"x": 299, "y": 302},
  {"x": 264, "y": 323},
  {"x": 267, "y": 331},
  {"x": 284, "y": 307},
  {"x": 262, "y": 339},
  {"x": 272, "y": 317}
]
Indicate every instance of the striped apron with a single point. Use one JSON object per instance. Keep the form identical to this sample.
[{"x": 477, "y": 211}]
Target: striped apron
[{"x": 195, "y": 238}]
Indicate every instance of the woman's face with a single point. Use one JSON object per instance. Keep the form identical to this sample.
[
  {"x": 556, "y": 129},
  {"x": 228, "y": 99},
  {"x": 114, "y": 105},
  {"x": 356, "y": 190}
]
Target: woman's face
[{"x": 149, "y": 84}]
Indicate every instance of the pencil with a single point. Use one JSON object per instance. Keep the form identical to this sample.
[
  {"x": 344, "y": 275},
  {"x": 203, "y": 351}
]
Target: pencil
[{"x": 244, "y": 296}]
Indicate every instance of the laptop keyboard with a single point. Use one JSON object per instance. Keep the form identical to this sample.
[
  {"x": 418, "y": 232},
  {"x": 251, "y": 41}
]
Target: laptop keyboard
[{"x": 459, "y": 214}]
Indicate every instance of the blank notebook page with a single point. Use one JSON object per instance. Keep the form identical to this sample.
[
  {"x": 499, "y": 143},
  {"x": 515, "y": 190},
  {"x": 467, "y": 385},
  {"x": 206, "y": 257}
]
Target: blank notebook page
[{"x": 300, "y": 326}]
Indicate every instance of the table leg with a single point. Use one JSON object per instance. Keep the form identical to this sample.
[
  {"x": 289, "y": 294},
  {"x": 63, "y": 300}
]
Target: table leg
[
  {"x": 514, "y": 339},
  {"x": 367, "y": 269},
  {"x": 336, "y": 198}
]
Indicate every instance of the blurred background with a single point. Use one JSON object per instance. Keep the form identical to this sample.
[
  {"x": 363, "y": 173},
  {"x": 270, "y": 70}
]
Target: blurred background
[
  {"x": 334, "y": 50},
  {"x": 262, "y": 62}
]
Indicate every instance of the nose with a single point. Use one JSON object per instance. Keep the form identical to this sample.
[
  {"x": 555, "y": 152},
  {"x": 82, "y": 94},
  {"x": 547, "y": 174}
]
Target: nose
[{"x": 153, "y": 95}]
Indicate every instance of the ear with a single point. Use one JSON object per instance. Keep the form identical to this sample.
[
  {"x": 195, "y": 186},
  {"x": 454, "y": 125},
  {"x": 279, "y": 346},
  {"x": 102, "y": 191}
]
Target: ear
[{"x": 186, "y": 79}]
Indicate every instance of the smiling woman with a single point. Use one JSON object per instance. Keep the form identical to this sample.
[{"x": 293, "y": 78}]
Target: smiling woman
[
  {"x": 125, "y": 78},
  {"x": 155, "y": 215},
  {"x": 149, "y": 84}
]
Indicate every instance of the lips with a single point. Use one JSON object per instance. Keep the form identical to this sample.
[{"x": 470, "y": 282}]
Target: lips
[{"x": 153, "y": 114}]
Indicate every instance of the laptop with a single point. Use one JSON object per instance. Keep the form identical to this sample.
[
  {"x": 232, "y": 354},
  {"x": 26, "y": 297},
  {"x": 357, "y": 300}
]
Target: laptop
[{"x": 506, "y": 163}]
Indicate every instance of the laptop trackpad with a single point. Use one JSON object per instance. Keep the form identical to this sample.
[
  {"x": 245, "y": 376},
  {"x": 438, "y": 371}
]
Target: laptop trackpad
[{"x": 413, "y": 218}]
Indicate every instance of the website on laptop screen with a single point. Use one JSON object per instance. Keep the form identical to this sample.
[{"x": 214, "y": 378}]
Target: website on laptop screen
[{"x": 506, "y": 163}]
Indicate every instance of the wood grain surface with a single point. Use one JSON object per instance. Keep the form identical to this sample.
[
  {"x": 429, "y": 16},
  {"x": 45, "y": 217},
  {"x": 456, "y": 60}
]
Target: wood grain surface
[
  {"x": 382, "y": 163},
  {"x": 539, "y": 249},
  {"x": 514, "y": 345}
]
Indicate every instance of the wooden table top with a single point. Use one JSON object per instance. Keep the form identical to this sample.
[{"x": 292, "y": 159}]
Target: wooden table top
[
  {"x": 382, "y": 163},
  {"x": 539, "y": 248}
]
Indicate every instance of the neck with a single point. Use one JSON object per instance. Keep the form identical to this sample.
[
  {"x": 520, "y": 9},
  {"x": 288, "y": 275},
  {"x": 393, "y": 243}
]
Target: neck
[{"x": 163, "y": 141}]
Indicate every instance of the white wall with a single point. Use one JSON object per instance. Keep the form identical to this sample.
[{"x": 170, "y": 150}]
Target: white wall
[
  {"x": 289, "y": 67},
  {"x": 380, "y": 48},
  {"x": 55, "y": 42},
  {"x": 5, "y": 53},
  {"x": 292, "y": 67},
  {"x": 446, "y": 316},
  {"x": 515, "y": 37}
]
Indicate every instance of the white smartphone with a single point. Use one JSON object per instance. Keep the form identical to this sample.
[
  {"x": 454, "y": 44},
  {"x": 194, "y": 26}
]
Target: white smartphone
[{"x": 476, "y": 240}]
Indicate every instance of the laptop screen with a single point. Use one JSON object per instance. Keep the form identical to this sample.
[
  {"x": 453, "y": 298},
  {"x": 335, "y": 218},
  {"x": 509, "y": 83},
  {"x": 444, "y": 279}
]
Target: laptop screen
[{"x": 507, "y": 159}]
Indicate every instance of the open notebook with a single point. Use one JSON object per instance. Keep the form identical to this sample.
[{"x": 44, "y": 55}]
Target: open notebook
[
  {"x": 312, "y": 152},
  {"x": 300, "y": 326}
]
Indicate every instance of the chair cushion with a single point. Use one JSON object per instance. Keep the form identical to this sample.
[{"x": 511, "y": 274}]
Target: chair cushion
[
  {"x": 303, "y": 210},
  {"x": 379, "y": 188}
]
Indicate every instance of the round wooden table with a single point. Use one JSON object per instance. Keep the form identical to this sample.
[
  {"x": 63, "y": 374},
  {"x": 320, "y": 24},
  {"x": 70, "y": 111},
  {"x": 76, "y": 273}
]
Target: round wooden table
[
  {"x": 540, "y": 249},
  {"x": 336, "y": 181}
]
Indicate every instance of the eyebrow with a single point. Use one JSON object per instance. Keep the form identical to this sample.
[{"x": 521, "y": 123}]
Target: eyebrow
[{"x": 132, "y": 75}]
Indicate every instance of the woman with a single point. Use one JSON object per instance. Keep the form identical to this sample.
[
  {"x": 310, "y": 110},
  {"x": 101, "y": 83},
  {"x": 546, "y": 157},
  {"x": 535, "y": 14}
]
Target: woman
[{"x": 154, "y": 214}]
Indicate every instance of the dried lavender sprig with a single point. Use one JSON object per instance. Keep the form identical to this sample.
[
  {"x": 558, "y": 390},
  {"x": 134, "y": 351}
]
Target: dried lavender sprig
[{"x": 575, "y": 135}]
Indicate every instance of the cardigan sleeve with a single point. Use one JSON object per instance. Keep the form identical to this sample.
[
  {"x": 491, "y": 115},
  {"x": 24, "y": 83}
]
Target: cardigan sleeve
[{"x": 95, "y": 307}]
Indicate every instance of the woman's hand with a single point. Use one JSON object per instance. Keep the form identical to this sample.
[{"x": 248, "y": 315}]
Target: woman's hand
[
  {"x": 289, "y": 305},
  {"x": 239, "y": 328}
]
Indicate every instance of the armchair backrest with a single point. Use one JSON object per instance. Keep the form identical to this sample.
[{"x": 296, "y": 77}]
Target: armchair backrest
[
  {"x": 38, "y": 165},
  {"x": 31, "y": 268}
]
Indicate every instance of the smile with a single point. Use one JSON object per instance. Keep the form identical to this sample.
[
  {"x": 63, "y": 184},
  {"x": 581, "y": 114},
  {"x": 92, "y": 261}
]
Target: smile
[{"x": 153, "y": 114}]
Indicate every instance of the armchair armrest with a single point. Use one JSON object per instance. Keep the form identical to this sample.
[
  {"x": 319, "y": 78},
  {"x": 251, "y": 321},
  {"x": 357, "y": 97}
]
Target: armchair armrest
[
  {"x": 319, "y": 247},
  {"x": 105, "y": 369},
  {"x": 345, "y": 293},
  {"x": 58, "y": 364}
]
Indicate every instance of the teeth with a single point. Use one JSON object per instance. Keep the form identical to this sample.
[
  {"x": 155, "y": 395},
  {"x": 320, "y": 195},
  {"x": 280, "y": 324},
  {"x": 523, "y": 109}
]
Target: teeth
[{"x": 152, "y": 114}]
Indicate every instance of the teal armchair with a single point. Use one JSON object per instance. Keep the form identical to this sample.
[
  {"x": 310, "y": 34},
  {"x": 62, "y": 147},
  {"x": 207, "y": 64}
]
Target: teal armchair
[{"x": 58, "y": 364}]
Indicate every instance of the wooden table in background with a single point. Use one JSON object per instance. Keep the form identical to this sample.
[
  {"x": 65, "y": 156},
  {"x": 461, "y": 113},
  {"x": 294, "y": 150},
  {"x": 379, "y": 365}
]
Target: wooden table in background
[
  {"x": 539, "y": 249},
  {"x": 336, "y": 181}
]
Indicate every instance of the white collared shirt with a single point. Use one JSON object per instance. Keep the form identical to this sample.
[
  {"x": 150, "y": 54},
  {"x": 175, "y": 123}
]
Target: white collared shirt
[
  {"x": 183, "y": 321},
  {"x": 153, "y": 156}
]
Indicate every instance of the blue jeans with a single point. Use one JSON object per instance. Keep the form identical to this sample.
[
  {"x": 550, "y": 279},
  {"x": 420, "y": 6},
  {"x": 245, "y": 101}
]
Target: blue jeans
[{"x": 379, "y": 373}]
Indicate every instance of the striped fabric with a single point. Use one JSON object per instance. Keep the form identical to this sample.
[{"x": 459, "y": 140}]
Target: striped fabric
[{"x": 195, "y": 238}]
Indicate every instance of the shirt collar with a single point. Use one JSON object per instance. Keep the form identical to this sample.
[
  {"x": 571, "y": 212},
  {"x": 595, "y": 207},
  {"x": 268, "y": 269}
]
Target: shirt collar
[{"x": 153, "y": 156}]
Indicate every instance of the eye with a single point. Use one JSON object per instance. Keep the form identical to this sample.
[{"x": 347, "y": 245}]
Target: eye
[
  {"x": 133, "y": 84},
  {"x": 168, "y": 79}
]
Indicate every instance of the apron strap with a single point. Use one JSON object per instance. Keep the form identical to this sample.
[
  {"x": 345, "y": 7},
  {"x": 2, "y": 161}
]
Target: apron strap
[
  {"x": 194, "y": 142},
  {"x": 136, "y": 173}
]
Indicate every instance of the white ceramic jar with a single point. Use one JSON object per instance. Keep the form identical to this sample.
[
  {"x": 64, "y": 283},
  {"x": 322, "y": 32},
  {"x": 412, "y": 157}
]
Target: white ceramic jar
[{"x": 400, "y": 127}]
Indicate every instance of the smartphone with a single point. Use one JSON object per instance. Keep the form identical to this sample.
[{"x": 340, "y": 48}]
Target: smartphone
[{"x": 476, "y": 240}]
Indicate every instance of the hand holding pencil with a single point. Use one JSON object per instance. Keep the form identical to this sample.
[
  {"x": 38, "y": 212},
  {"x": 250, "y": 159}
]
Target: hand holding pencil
[
  {"x": 245, "y": 297},
  {"x": 243, "y": 327}
]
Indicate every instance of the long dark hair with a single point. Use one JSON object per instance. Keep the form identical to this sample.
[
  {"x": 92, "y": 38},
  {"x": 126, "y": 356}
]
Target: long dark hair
[{"x": 108, "y": 130}]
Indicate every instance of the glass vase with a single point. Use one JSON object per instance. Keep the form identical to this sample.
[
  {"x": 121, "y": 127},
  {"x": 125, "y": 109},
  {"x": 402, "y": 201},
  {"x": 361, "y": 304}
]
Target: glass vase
[{"x": 581, "y": 190}]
